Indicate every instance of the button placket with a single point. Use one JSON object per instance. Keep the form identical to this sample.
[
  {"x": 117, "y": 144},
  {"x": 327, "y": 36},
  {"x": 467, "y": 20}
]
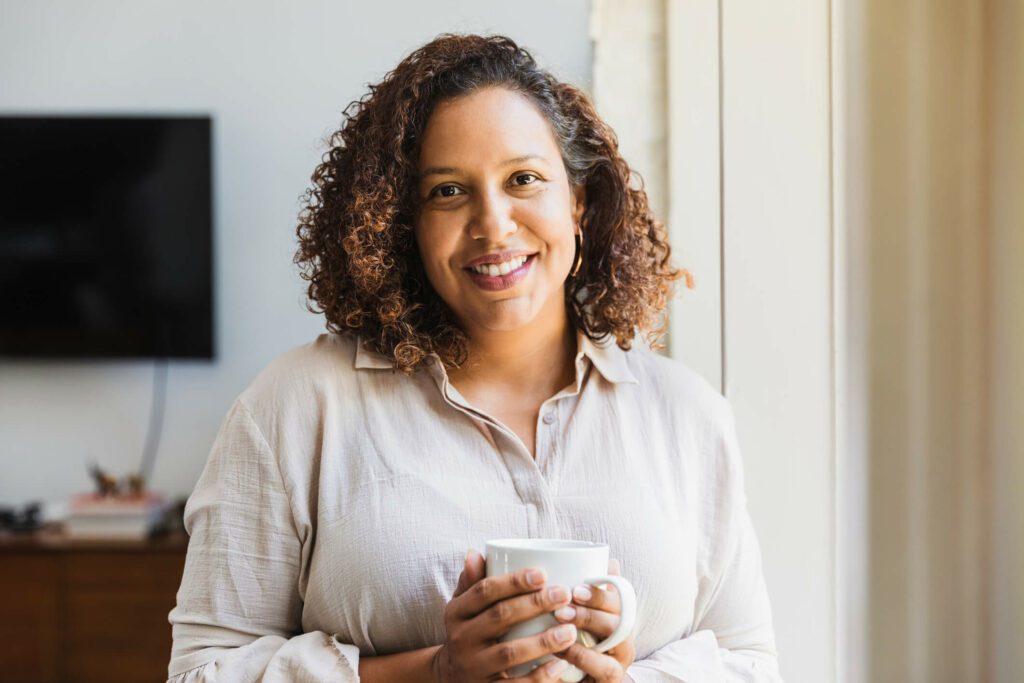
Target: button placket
[{"x": 546, "y": 432}]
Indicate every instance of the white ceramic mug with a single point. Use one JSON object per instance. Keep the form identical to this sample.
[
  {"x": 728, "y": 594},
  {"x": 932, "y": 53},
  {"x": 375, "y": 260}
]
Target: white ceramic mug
[{"x": 565, "y": 563}]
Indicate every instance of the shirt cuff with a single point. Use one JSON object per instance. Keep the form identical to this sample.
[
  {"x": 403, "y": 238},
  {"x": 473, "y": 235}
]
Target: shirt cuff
[{"x": 693, "y": 660}]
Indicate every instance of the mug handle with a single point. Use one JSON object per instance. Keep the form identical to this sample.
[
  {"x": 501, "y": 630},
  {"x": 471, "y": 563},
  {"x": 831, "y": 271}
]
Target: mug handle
[{"x": 627, "y": 615}]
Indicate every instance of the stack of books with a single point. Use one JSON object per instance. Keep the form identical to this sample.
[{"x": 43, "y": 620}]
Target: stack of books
[{"x": 92, "y": 516}]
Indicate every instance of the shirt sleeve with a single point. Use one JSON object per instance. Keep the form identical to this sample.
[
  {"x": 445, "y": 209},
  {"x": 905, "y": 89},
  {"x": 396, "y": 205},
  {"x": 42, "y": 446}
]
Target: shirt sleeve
[
  {"x": 239, "y": 611},
  {"x": 732, "y": 638}
]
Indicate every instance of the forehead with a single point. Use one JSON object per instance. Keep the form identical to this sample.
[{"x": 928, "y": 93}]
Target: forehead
[{"x": 486, "y": 127}]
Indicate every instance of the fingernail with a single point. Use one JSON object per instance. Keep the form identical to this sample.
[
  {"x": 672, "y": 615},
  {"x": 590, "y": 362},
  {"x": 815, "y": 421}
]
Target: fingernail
[
  {"x": 557, "y": 593},
  {"x": 582, "y": 592},
  {"x": 556, "y": 667},
  {"x": 566, "y": 632},
  {"x": 566, "y": 613},
  {"x": 535, "y": 577}
]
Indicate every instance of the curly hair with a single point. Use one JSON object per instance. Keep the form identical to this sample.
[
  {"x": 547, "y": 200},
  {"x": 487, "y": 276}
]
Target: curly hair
[{"x": 357, "y": 246}]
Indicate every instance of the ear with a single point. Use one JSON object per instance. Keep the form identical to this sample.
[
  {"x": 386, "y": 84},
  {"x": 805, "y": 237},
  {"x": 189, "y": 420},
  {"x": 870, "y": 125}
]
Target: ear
[{"x": 579, "y": 202}]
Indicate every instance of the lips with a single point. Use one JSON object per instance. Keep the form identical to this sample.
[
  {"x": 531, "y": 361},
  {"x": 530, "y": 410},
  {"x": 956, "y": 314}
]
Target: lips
[
  {"x": 494, "y": 283},
  {"x": 499, "y": 257}
]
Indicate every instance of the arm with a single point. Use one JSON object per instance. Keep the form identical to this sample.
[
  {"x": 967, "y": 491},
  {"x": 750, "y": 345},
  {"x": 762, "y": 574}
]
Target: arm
[
  {"x": 415, "y": 666},
  {"x": 238, "y": 613},
  {"x": 732, "y": 638}
]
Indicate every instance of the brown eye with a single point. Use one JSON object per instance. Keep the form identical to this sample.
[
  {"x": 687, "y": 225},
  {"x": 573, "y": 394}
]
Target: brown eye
[
  {"x": 440, "y": 191},
  {"x": 525, "y": 175}
]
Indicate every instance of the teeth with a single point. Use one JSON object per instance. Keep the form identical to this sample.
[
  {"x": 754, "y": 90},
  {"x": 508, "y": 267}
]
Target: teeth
[{"x": 496, "y": 269}]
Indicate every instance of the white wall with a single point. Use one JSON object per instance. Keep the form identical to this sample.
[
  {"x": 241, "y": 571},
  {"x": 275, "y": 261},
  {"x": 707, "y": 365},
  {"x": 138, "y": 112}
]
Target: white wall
[
  {"x": 275, "y": 77},
  {"x": 695, "y": 182},
  {"x": 777, "y": 244}
]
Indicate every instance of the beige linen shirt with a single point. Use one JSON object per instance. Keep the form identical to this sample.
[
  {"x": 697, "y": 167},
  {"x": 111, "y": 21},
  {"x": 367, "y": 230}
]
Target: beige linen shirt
[{"x": 340, "y": 498}]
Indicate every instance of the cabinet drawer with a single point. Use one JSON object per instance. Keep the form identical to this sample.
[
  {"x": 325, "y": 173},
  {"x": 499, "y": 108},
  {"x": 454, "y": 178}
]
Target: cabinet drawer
[
  {"x": 87, "y": 611},
  {"x": 113, "y": 636},
  {"x": 124, "y": 571},
  {"x": 29, "y": 638}
]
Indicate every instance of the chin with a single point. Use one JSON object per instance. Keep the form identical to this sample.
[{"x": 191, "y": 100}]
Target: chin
[
  {"x": 496, "y": 320},
  {"x": 502, "y": 323},
  {"x": 505, "y": 326}
]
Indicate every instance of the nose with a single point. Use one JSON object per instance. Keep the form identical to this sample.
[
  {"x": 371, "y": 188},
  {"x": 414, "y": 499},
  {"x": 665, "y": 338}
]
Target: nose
[{"x": 492, "y": 217}]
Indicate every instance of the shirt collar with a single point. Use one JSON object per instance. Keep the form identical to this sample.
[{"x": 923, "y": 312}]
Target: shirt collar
[
  {"x": 606, "y": 356},
  {"x": 370, "y": 359}
]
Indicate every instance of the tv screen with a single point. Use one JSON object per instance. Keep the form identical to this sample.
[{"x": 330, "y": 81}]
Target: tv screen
[{"x": 106, "y": 237}]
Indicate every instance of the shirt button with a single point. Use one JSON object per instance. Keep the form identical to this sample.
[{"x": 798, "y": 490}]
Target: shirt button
[{"x": 548, "y": 418}]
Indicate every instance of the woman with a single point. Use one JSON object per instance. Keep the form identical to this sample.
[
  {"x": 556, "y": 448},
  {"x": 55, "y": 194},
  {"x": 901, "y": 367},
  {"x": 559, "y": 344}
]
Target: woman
[{"x": 484, "y": 265}]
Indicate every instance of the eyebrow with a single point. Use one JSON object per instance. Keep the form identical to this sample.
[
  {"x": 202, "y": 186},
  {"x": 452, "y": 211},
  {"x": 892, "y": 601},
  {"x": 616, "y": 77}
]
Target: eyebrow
[{"x": 448, "y": 170}]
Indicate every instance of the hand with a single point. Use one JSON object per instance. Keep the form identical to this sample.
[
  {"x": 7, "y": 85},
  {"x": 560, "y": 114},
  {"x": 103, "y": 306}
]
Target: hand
[
  {"x": 599, "y": 615},
  {"x": 484, "y": 609}
]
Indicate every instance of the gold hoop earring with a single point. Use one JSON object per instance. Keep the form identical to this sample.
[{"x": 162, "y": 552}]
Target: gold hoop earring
[{"x": 579, "y": 253}]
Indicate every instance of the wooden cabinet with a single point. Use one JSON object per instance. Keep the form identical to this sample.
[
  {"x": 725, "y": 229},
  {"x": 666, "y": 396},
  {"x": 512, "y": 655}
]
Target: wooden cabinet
[{"x": 87, "y": 610}]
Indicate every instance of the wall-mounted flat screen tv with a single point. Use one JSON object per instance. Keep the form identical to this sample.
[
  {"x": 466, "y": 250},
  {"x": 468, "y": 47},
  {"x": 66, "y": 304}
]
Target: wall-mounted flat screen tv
[{"x": 106, "y": 237}]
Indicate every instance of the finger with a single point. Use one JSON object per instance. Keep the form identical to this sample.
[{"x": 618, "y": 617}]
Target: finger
[
  {"x": 467, "y": 577},
  {"x": 597, "y": 598},
  {"x": 550, "y": 672},
  {"x": 597, "y": 623},
  {"x": 510, "y": 653},
  {"x": 613, "y": 567},
  {"x": 491, "y": 590},
  {"x": 495, "y": 621},
  {"x": 478, "y": 566},
  {"x": 601, "y": 667}
]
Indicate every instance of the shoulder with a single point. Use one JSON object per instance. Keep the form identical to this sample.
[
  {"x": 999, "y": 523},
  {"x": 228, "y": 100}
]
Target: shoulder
[
  {"x": 677, "y": 386},
  {"x": 698, "y": 414},
  {"x": 694, "y": 412},
  {"x": 303, "y": 379}
]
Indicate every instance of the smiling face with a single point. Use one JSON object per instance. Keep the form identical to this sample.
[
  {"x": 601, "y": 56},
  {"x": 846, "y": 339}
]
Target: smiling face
[{"x": 492, "y": 186}]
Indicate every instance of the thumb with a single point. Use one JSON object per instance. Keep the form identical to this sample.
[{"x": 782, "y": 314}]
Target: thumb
[
  {"x": 477, "y": 567},
  {"x": 468, "y": 576}
]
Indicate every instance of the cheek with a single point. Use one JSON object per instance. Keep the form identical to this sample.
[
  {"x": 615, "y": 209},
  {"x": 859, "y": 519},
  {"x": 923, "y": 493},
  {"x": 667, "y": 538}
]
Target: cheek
[
  {"x": 563, "y": 246},
  {"x": 556, "y": 229},
  {"x": 436, "y": 251}
]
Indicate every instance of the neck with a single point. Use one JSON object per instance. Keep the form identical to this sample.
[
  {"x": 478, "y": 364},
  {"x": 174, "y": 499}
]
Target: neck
[{"x": 539, "y": 360}]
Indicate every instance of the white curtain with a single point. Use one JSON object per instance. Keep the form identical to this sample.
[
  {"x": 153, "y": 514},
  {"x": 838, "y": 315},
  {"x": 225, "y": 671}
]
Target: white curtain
[{"x": 929, "y": 171}]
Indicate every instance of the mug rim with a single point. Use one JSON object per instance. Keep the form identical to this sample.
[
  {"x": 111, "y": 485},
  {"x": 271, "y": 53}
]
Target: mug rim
[{"x": 566, "y": 544}]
